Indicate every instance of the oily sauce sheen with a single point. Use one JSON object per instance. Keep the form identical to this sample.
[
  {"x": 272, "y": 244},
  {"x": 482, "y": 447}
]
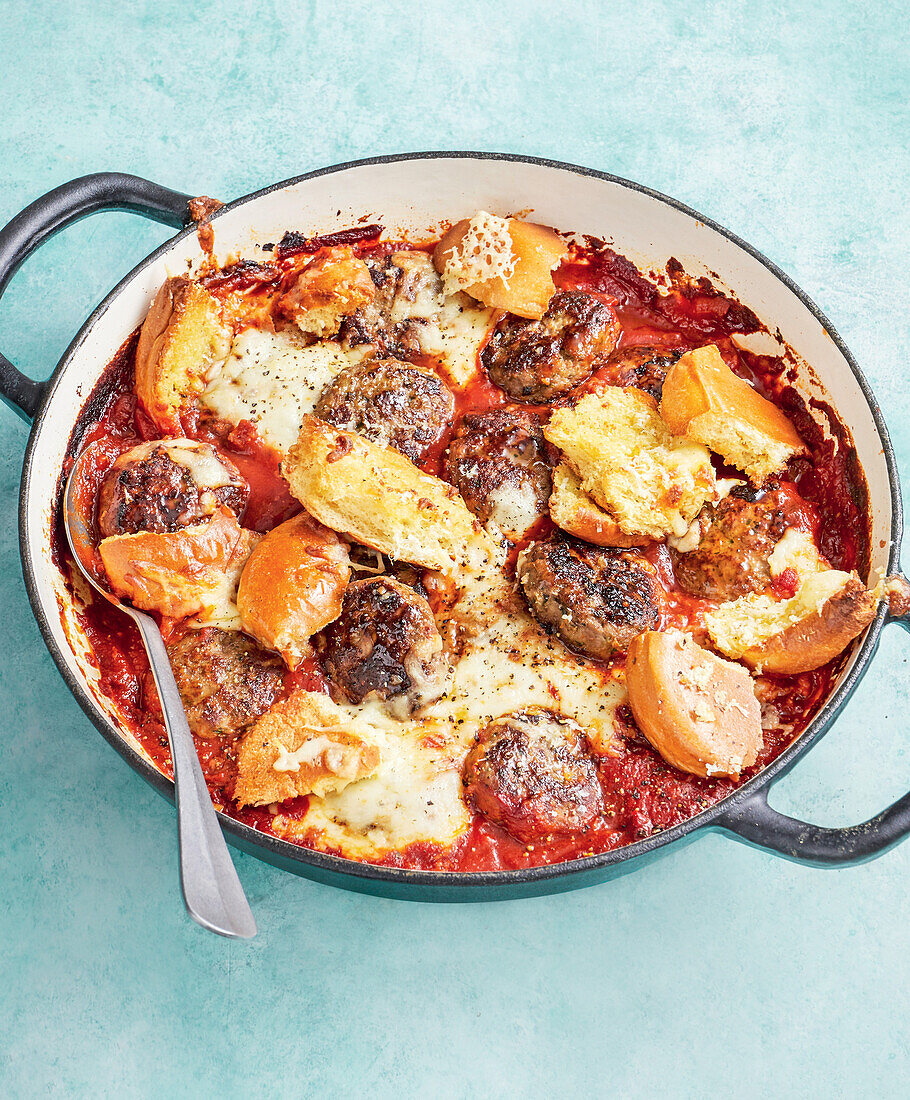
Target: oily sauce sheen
[{"x": 824, "y": 494}]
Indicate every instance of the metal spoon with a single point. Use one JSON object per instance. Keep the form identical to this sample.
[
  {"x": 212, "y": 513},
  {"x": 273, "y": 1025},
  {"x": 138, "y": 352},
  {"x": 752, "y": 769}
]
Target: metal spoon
[{"x": 211, "y": 889}]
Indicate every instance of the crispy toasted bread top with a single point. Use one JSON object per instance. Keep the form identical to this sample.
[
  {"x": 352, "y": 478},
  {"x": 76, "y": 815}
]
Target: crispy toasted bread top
[
  {"x": 379, "y": 498},
  {"x": 182, "y": 335},
  {"x": 652, "y": 482},
  {"x": 698, "y": 710},
  {"x": 704, "y": 400}
]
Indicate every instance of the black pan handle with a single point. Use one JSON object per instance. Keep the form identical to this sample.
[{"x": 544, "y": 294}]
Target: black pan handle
[
  {"x": 54, "y": 211},
  {"x": 755, "y": 822}
]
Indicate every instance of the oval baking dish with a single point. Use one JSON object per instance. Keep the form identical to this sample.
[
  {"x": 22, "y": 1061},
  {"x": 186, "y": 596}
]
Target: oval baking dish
[{"x": 411, "y": 192}]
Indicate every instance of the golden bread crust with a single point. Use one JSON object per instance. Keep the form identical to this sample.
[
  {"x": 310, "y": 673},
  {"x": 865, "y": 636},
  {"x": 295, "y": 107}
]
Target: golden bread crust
[
  {"x": 703, "y": 399},
  {"x": 578, "y": 514},
  {"x": 379, "y": 498},
  {"x": 698, "y": 710},
  {"x": 304, "y": 744},
  {"x": 177, "y": 573},
  {"x": 536, "y": 250},
  {"x": 293, "y": 585},
  {"x": 327, "y": 290},
  {"x": 809, "y": 633},
  {"x": 182, "y": 335}
]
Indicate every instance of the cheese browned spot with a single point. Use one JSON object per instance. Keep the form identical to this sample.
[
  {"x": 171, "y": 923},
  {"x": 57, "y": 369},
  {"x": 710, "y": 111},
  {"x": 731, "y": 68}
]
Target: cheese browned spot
[{"x": 483, "y": 253}]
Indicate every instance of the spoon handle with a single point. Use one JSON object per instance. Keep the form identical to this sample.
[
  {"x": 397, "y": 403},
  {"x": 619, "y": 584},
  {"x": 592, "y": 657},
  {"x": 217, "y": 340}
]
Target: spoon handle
[{"x": 211, "y": 889}]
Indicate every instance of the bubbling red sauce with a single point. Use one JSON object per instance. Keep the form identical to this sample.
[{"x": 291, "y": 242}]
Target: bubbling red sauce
[{"x": 824, "y": 494}]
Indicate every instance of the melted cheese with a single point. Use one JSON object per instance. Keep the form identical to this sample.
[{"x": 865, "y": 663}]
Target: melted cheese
[
  {"x": 414, "y": 796},
  {"x": 511, "y": 663},
  {"x": 798, "y": 552},
  {"x": 684, "y": 544},
  {"x": 221, "y": 610},
  {"x": 313, "y": 751},
  {"x": 271, "y": 379},
  {"x": 455, "y": 337},
  {"x": 507, "y": 664},
  {"x": 419, "y": 293},
  {"x": 483, "y": 253},
  {"x": 205, "y": 468},
  {"x": 514, "y": 508}
]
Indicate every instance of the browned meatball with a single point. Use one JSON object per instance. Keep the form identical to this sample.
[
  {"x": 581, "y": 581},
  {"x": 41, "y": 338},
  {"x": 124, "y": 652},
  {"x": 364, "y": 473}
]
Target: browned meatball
[
  {"x": 537, "y": 361},
  {"x": 408, "y": 286},
  {"x": 738, "y": 535},
  {"x": 385, "y": 645},
  {"x": 165, "y": 485},
  {"x": 531, "y": 773},
  {"x": 392, "y": 403},
  {"x": 226, "y": 681},
  {"x": 596, "y": 600},
  {"x": 499, "y": 463},
  {"x": 408, "y": 294},
  {"x": 642, "y": 367}
]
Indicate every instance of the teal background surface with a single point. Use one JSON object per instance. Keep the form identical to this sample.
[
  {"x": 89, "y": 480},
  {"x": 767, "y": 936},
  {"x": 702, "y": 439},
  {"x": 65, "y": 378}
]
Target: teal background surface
[{"x": 718, "y": 970}]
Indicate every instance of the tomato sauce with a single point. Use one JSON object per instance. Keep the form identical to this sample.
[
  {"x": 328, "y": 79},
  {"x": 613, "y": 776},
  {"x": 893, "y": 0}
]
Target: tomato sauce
[{"x": 824, "y": 494}]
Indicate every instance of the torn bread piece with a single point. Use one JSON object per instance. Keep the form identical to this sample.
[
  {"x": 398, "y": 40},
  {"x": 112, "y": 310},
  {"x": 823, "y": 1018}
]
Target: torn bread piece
[
  {"x": 578, "y": 514},
  {"x": 292, "y": 586},
  {"x": 182, "y": 336},
  {"x": 828, "y": 611},
  {"x": 305, "y": 744},
  {"x": 191, "y": 571},
  {"x": 896, "y": 590},
  {"x": 501, "y": 262},
  {"x": 415, "y": 795},
  {"x": 698, "y": 710},
  {"x": 331, "y": 287},
  {"x": 704, "y": 400},
  {"x": 652, "y": 482},
  {"x": 379, "y": 498}
]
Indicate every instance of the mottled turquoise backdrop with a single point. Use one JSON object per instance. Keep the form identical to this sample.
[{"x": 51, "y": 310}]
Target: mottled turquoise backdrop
[{"x": 717, "y": 971}]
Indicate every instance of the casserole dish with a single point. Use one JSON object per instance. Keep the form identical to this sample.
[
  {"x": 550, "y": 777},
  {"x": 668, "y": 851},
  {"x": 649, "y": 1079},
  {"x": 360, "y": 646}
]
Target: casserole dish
[{"x": 412, "y": 192}]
